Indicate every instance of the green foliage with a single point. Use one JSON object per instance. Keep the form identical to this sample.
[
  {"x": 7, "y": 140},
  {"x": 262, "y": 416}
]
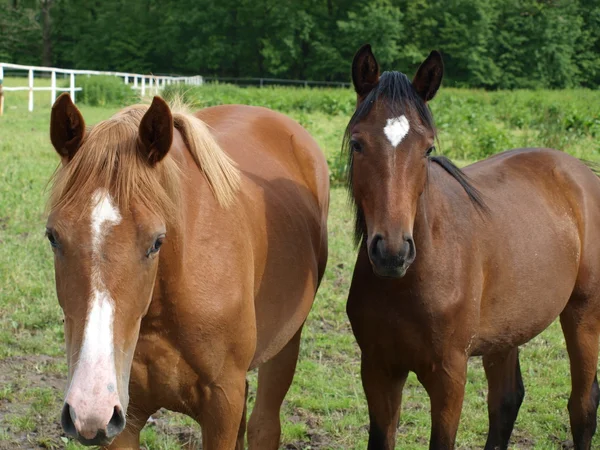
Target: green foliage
[
  {"x": 100, "y": 90},
  {"x": 307, "y": 100},
  {"x": 20, "y": 34},
  {"x": 492, "y": 44}
]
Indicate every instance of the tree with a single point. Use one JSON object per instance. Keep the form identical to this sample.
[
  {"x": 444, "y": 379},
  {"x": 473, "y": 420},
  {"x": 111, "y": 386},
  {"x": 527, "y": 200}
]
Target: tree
[{"x": 485, "y": 43}]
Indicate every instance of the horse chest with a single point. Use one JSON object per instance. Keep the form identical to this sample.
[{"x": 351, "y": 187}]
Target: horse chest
[{"x": 397, "y": 333}]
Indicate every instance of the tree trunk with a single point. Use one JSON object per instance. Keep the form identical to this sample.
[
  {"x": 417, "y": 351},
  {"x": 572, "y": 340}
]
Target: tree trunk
[{"x": 46, "y": 33}]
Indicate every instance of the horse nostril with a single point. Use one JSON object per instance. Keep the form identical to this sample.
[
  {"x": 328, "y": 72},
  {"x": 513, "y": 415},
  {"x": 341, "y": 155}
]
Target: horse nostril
[
  {"x": 411, "y": 249},
  {"x": 377, "y": 247},
  {"x": 116, "y": 423},
  {"x": 66, "y": 420}
]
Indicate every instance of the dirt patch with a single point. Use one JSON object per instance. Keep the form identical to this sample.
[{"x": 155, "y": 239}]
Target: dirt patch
[
  {"x": 189, "y": 438},
  {"x": 315, "y": 439},
  {"x": 30, "y": 402}
]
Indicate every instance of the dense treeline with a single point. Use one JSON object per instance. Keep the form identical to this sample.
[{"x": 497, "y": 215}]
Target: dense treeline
[{"x": 486, "y": 43}]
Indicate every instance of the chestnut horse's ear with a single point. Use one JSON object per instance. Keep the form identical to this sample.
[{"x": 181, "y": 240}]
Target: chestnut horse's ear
[
  {"x": 429, "y": 76},
  {"x": 365, "y": 71},
  {"x": 156, "y": 131},
  {"x": 67, "y": 127}
]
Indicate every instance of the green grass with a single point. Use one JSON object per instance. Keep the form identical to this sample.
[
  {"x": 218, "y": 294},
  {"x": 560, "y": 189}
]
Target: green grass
[{"x": 325, "y": 407}]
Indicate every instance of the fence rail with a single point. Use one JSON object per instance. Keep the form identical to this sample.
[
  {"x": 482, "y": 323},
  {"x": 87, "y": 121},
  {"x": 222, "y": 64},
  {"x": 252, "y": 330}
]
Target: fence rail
[{"x": 150, "y": 83}]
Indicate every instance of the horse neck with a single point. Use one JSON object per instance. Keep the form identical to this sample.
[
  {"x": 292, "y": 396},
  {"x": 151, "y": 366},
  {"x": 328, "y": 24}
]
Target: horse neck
[
  {"x": 443, "y": 209},
  {"x": 200, "y": 213}
]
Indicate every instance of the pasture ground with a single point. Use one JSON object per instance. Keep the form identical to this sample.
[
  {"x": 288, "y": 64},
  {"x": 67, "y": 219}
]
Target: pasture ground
[{"x": 325, "y": 408}]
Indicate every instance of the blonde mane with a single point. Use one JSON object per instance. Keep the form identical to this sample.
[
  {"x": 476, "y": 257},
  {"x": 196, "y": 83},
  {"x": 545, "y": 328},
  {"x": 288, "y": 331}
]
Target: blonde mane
[{"x": 109, "y": 158}]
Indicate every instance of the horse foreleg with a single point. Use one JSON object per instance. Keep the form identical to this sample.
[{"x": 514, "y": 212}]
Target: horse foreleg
[
  {"x": 242, "y": 430},
  {"x": 383, "y": 390},
  {"x": 445, "y": 384},
  {"x": 221, "y": 409},
  {"x": 274, "y": 379},
  {"x": 505, "y": 395},
  {"x": 581, "y": 329}
]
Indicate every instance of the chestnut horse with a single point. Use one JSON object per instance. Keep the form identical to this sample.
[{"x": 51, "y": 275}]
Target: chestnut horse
[
  {"x": 187, "y": 250},
  {"x": 455, "y": 264}
]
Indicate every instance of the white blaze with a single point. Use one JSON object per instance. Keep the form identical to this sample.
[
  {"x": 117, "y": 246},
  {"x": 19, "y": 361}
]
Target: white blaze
[
  {"x": 396, "y": 129},
  {"x": 97, "y": 349},
  {"x": 103, "y": 212}
]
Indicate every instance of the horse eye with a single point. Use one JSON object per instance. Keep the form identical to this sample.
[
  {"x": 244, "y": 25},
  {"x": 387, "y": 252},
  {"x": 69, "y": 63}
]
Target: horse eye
[
  {"x": 156, "y": 246},
  {"x": 430, "y": 150},
  {"x": 356, "y": 146},
  {"x": 51, "y": 238}
]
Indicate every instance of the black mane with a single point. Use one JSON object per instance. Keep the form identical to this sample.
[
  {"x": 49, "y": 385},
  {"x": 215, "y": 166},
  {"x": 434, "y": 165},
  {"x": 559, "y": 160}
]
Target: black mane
[{"x": 397, "y": 91}]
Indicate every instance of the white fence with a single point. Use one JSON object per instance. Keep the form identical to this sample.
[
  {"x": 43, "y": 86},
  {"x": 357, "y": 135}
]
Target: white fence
[{"x": 145, "y": 83}]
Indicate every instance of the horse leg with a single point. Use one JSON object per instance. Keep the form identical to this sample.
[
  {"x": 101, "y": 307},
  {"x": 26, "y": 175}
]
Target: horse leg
[
  {"x": 274, "y": 379},
  {"x": 242, "y": 429},
  {"x": 220, "y": 410},
  {"x": 505, "y": 395},
  {"x": 445, "y": 384},
  {"x": 383, "y": 390},
  {"x": 581, "y": 329}
]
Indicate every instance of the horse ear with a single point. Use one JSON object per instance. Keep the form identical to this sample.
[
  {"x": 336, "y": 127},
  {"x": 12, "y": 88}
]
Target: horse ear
[
  {"x": 67, "y": 127},
  {"x": 156, "y": 131},
  {"x": 365, "y": 71},
  {"x": 429, "y": 76}
]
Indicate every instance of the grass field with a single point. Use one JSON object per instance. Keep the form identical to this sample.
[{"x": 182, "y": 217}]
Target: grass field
[{"x": 325, "y": 408}]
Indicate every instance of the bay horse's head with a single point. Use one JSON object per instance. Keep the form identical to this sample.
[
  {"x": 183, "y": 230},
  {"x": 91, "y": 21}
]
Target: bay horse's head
[
  {"x": 389, "y": 141},
  {"x": 114, "y": 199},
  {"x": 390, "y": 138}
]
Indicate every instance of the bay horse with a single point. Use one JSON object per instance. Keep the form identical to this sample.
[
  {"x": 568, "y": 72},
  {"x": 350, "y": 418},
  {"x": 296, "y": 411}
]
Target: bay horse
[
  {"x": 454, "y": 264},
  {"x": 187, "y": 250}
]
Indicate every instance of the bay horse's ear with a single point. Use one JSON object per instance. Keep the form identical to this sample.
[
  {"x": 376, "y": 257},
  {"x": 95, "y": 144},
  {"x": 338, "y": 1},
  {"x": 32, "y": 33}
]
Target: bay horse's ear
[
  {"x": 156, "y": 131},
  {"x": 67, "y": 127},
  {"x": 365, "y": 71},
  {"x": 429, "y": 76}
]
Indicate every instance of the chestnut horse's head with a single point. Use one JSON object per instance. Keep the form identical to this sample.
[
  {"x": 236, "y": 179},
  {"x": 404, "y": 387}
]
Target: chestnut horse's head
[
  {"x": 389, "y": 141},
  {"x": 114, "y": 200},
  {"x": 106, "y": 239}
]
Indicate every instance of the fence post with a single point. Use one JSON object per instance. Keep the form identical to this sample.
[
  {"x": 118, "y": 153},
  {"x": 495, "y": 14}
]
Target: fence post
[
  {"x": 135, "y": 85},
  {"x": 143, "y": 85},
  {"x": 126, "y": 79},
  {"x": 52, "y": 88},
  {"x": 30, "y": 90},
  {"x": 72, "y": 87}
]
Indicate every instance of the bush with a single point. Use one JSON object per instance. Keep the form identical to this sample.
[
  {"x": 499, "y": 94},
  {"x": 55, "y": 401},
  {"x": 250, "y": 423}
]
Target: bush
[
  {"x": 105, "y": 90},
  {"x": 285, "y": 99}
]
